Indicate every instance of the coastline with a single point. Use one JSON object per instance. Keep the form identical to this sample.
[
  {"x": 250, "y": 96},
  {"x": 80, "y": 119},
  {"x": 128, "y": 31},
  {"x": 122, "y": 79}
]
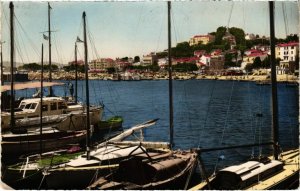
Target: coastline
[{"x": 163, "y": 76}]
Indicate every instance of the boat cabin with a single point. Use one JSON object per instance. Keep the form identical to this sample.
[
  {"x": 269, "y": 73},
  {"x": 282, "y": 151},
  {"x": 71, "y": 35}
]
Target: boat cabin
[
  {"x": 244, "y": 175},
  {"x": 30, "y": 108}
]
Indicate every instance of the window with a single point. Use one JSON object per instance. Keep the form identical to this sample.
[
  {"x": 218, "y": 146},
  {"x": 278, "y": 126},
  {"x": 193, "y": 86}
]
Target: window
[
  {"x": 22, "y": 105},
  {"x": 61, "y": 105},
  {"x": 45, "y": 108},
  {"x": 292, "y": 52},
  {"x": 53, "y": 106},
  {"x": 33, "y": 105},
  {"x": 27, "y": 106},
  {"x": 292, "y": 47},
  {"x": 292, "y": 59}
]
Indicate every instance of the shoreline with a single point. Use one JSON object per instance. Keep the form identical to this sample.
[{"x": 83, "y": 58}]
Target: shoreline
[{"x": 162, "y": 76}]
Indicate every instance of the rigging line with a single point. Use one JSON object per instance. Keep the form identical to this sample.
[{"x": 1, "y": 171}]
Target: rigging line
[
  {"x": 206, "y": 115},
  {"x": 250, "y": 115},
  {"x": 226, "y": 120},
  {"x": 59, "y": 58},
  {"x": 137, "y": 27},
  {"x": 285, "y": 18},
  {"x": 18, "y": 46},
  {"x": 230, "y": 13},
  {"x": 26, "y": 35},
  {"x": 174, "y": 27},
  {"x": 160, "y": 31}
]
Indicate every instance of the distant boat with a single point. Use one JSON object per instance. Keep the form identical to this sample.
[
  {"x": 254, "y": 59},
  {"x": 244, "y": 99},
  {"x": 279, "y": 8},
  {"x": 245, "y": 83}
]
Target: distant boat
[{"x": 112, "y": 123}]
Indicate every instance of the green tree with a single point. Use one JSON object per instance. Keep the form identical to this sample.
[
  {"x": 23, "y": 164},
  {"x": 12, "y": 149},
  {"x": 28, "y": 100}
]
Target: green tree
[
  {"x": 72, "y": 67},
  {"x": 257, "y": 63},
  {"x": 136, "y": 59},
  {"x": 111, "y": 70},
  {"x": 239, "y": 35},
  {"x": 221, "y": 31},
  {"x": 32, "y": 67}
]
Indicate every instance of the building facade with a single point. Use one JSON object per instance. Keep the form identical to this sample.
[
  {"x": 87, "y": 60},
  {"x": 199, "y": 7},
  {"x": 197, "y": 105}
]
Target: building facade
[{"x": 203, "y": 39}]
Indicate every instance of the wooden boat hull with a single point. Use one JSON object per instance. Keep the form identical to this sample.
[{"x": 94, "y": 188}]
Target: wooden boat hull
[
  {"x": 49, "y": 142},
  {"x": 170, "y": 173}
]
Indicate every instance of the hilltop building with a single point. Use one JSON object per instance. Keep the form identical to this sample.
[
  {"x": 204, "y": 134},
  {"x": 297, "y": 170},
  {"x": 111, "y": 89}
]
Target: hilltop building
[{"x": 201, "y": 39}]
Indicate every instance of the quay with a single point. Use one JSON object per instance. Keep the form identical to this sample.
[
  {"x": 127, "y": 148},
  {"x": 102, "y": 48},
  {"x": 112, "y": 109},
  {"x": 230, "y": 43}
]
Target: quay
[{"x": 62, "y": 75}]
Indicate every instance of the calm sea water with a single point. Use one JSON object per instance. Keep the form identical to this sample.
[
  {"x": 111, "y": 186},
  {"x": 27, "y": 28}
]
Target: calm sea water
[{"x": 207, "y": 113}]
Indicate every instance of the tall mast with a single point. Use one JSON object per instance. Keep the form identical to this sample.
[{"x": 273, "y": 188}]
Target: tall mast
[
  {"x": 50, "y": 62},
  {"x": 2, "y": 80},
  {"x": 41, "y": 109},
  {"x": 87, "y": 88},
  {"x": 274, "y": 82},
  {"x": 170, "y": 75},
  {"x": 12, "y": 49},
  {"x": 76, "y": 77}
]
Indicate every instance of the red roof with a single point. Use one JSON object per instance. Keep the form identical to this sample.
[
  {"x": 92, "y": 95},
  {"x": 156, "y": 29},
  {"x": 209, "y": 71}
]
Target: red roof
[
  {"x": 196, "y": 36},
  {"x": 288, "y": 44},
  {"x": 256, "y": 54},
  {"x": 190, "y": 59}
]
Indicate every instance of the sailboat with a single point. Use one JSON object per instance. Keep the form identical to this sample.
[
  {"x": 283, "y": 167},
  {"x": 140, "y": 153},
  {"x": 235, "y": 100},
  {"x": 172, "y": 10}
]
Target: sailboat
[
  {"x": 17, "y": 143},
  {"x": 280, "y": 171},
  {"x": 153, "y": 170},
  {"x": 64, "y": 114},
  {"x": 78, "y": 173}
]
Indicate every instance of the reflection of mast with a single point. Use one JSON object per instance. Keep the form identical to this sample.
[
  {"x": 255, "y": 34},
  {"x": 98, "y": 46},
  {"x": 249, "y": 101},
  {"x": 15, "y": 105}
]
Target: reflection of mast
[
  {"x": 274, "y": 82},
  {"x": 87, "y": 89},
  {"x": 170, "y": 75},
  {"x": 12, "y": 51}
]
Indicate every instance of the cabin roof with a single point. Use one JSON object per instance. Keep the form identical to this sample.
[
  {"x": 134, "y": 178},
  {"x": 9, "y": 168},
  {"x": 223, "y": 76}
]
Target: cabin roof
[
  {"x": 44, "y": 99},
  {"x": 22, "y": 86}
]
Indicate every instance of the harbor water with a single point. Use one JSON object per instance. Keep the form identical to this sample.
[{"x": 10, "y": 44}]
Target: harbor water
[{"x": 207, "y": 113}]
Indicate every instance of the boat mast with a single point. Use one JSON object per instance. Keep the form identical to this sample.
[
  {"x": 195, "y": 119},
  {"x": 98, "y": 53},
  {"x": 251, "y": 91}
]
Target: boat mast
[
  {"x": 274, "y": 82},
  {"x": 87, "y": 88},
  {"x": 76, "y": 77},
  {"x": 2, "y": 80},
  {"x": 170, "y": 75},
  {"x": 49, "y": 41},
  {"x": 41, "y": 108},
  {"x": 12, "y": 48}
]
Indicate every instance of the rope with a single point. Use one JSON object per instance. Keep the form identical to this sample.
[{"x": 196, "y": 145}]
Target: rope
[
  {"x": 225, "y": 126},
  {"x": 206, "y": 117}
]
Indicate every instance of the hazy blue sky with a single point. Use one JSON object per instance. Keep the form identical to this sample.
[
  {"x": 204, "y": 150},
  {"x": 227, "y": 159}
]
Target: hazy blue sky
[{"x": 133, "y": 28}]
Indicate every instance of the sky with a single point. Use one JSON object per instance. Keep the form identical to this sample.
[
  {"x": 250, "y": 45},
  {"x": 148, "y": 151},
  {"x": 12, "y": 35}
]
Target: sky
[{"x": 119, "y": 29}]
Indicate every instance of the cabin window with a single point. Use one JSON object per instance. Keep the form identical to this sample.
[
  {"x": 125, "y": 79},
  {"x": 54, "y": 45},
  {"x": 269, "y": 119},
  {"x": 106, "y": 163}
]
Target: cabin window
[
  {"x": 53, "y": 106},
  {"x": 45, "y": 108},
  {"x": 22, "y": 106},
  {"x": 27, "y": 106},
  {"x": 61, "y": 105},
  {"x": 33, "y": 105}
]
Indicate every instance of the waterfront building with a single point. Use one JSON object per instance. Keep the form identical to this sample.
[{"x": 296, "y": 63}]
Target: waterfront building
[
  {"x": 192, "y": 60},
  {"x": 287, "y": 52},
  {"x": 204, "y": 60},
  {"x": 201, "y": 39},
  {"x": 250, "y": 56},
  {"x": 149, "y": 59},
  {"x": 101, "y": 64}
]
